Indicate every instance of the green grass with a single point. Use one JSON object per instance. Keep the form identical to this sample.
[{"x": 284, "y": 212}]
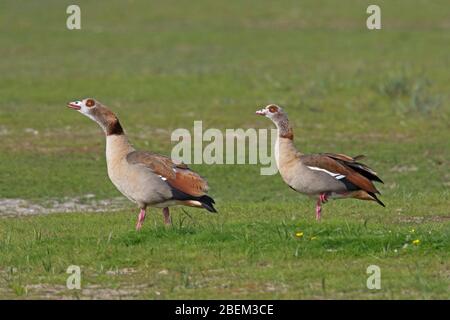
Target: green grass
[
  {"x": 245, "y": 252},
  {"x": 162, "y": 65}
]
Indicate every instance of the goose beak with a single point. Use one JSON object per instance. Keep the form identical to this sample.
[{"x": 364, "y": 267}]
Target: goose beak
[
  {"x": 261, "y": 112},
  {"x": 73, "y": 105}
]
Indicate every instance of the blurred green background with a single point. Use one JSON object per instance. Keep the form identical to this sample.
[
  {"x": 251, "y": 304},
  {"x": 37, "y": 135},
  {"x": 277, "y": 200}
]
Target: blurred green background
[{"x": 162, "y": 65}]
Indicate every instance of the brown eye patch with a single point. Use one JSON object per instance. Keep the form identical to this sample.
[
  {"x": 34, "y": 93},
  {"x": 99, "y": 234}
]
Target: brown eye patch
[
  {"x": 273, "y": 109},
  {"x": 90, "y": 103}
]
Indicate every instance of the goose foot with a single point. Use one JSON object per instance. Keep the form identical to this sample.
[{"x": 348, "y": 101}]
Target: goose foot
[
  {"x": 141, "y": 219},
  {"x": 167, "y": 219}
]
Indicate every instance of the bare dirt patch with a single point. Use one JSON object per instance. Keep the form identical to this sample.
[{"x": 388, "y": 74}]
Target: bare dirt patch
[
  {"x": 47, "y": 291},
  {"x": 86, "y": 203}
]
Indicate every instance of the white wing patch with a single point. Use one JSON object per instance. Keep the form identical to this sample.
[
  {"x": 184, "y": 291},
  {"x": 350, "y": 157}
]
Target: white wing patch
[
  {"x": 334, "y": 175},
  {"x": 163, "y": 178}
]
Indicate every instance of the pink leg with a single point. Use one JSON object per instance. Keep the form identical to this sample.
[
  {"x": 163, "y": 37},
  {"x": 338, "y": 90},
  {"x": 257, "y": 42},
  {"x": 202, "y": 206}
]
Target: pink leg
[
  {"x": 318, "y": 209},
  {"x": 167, "y": 219},
  {"x": 141, "y": 219},
  {"x": 323, "y": 197}
]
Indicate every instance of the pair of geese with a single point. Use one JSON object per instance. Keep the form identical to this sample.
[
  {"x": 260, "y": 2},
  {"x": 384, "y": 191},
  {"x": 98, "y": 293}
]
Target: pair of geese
[{"x": 153, "y": 180}]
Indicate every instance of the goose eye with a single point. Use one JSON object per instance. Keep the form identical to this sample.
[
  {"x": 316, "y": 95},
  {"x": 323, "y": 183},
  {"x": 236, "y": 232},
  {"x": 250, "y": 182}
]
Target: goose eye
[
  {"x": 90, "y": 103},
  {"x": 273, "y": 109}
]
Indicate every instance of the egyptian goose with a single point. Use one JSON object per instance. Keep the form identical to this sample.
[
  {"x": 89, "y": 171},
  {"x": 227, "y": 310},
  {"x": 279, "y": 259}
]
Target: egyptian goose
[
  {"x": 146, "y": 178},
  {"x": 324, "y": 175}
]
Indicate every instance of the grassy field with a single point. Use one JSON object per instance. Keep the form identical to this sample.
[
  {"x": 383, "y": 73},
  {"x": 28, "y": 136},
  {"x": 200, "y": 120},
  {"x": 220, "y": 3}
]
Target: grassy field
[{"x": 162, "y": 65}]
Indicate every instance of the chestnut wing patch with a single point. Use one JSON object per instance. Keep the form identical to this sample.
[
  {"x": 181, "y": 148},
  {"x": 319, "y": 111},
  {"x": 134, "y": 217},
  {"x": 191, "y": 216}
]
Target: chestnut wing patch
[
  {"x": 355, "y": 165},
  {"x": 177, "y": 175},
  {"x": 339, "y": 168}
]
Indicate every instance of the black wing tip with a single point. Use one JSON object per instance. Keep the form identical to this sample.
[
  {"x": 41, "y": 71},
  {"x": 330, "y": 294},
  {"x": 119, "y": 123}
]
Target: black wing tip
[
  {"x": 209, "y": 208},
  {"x": 208, "y": 203},
  {"x": 380, "y": 203},
  {"x": 374, "y": 196},
  {"x": 365, "y": 171},
  {"x": 378, "y": 179}
]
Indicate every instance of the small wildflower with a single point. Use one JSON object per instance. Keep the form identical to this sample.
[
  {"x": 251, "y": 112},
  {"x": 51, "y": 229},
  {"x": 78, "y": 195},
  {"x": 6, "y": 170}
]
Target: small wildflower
[
  {"x": 416, "y": 242},
  {"x": 313, "y": 238},
  {"x": 412, "y": 230},
  {"x": 299, "y": 234}
]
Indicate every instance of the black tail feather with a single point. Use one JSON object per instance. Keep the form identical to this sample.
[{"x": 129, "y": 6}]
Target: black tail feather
[
  {"x": 373, "y": 195},
  {"x": 207, "y": 203},
  {"x": 364, "y": 171}
]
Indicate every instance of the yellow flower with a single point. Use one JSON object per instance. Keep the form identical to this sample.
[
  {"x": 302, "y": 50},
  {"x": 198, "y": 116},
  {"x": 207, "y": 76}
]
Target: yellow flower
[
  {"x": 299, "y": 234},
  {"x": 416, "y": 242},
  {"x": 313, "y": 238}
]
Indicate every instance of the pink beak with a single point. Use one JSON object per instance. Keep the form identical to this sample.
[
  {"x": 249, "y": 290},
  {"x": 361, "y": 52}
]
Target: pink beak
[
  {"x": 73, "y": 106},
  {"x": 261, "y": 112}
]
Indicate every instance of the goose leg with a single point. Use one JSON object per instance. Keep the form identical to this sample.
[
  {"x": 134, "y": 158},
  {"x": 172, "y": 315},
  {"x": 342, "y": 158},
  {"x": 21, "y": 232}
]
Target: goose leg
[
  {"x": 167, "y": 219},
  {"x": 318, "y": 209},
  {"x": 141, "y": 219},
  {"x": 323, "y": 197}
]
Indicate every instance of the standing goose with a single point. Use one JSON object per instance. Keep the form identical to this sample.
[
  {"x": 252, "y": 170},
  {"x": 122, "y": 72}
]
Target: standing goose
[
  {"x": 323, "y": 175},
  {"x": 146, "y": 178}
]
